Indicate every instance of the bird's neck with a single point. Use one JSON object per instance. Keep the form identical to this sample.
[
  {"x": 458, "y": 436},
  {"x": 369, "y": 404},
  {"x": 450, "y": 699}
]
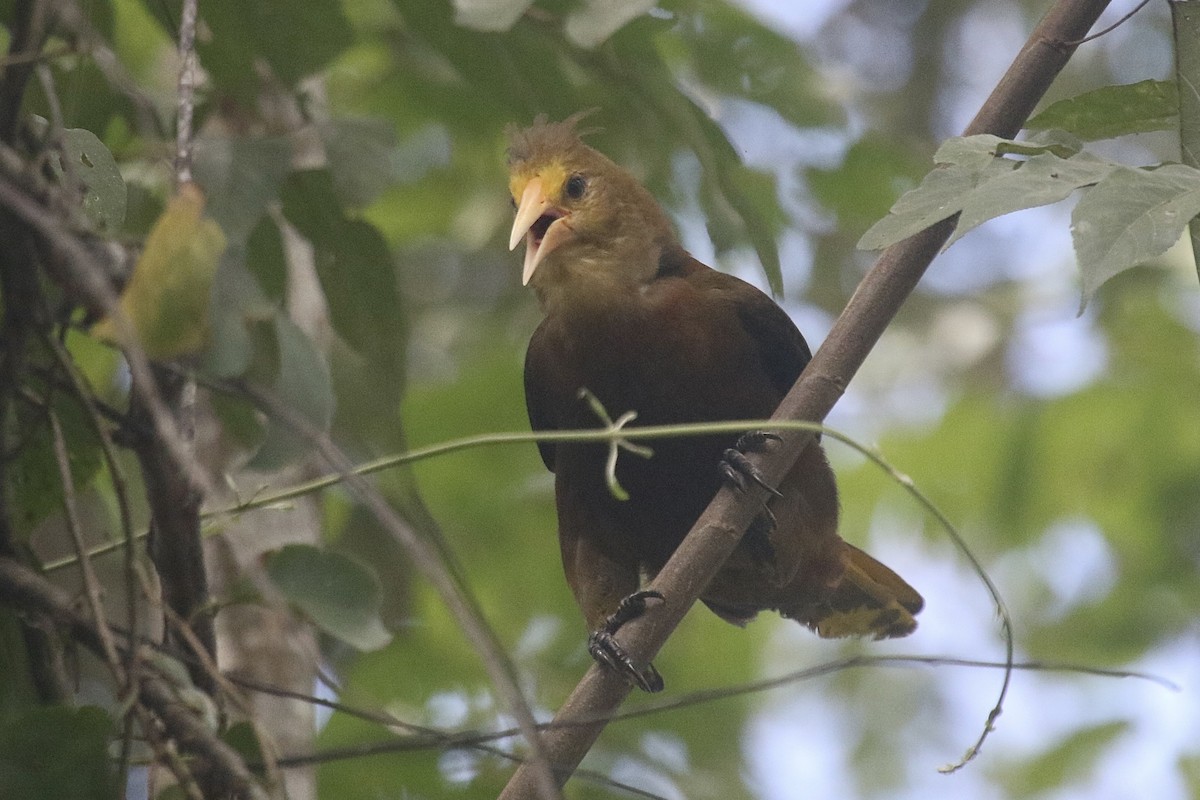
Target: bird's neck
[{"x": 596, "y": 280}]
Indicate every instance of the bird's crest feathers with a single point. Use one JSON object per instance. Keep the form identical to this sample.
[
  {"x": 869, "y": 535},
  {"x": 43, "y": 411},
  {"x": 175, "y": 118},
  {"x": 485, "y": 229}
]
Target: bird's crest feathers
[
  {"x": 544, "y": 138},
  {"x": 545, "y": 149}
]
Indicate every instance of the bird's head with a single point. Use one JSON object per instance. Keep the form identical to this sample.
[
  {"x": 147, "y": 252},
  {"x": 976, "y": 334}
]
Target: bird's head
[{"x": 583, "y": 218}]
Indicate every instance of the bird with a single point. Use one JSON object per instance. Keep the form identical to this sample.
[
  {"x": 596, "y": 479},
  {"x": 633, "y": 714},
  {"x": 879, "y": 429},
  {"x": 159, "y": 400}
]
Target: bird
[{"x": 632, "y": 321}]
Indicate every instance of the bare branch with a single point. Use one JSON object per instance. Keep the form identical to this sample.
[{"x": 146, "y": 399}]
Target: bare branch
[
  {"x": 116, "y": 475},
  {"x": 870, "y": 310},
  {"x": 28, "y": 30},
  {"x": 91, "y": 583},
  {"x": 424, "y": 738},
  {"x": 217, "y": 766},
  {"x": 176, "y": 546},
  {"x": 186, "y": 100}
]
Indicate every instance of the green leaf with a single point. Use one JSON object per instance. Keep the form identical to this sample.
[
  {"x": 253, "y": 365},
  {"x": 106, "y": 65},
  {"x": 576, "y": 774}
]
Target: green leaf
[
  {"x": 753, "y": 195},
  {"x": 243, "y": 36},
  {"x": 90, "y": 162},
  {"x": 354, "y": 266},
  {"x": 975, "y": 151},
  {"x": 755, "y": 62},
  {"x": 1130, "y": 217},
  {"x": 359, "y": 152},
  {"x": 1112, "y": 111},
  {"x": 1185, "y": 18},
  {"x": 243, "y": 738},
  {"x": 167, "y": 299},
  {"x": 1041, "y": 180},
  {"x": 1075, "y": 757},
  {"x": 360, "y": 287},
  {"x": 365, "y": 158},
  {"x": 975, "y": 180},
  {"x": 56, "y": 753},
  {"x": 875, "y": 171},
  {"x": 240, "y": 176},
  {"x": 238, "y": 303},
  {"x": 940, "y": 195},
  {"x": 340, "y": 595},
  {"x": 592, "y": 23},
  {"x": 311, "y": 204},
  {"x": 34, "y": 480},
  {"x": 85, "y": 95},
  {"x": 303, "y": 383},
  {"x": 489, "y": 15},
  {"x": 267, "y": 261}
]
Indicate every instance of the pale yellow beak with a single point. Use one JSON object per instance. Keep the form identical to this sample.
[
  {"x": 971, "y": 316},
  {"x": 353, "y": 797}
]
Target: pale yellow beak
[{"x": 539, "y": 241}]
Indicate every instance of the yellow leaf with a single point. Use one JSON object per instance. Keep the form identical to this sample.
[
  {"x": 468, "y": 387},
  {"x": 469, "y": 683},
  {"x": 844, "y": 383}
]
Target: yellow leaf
[{"x": 167, "y": 297}]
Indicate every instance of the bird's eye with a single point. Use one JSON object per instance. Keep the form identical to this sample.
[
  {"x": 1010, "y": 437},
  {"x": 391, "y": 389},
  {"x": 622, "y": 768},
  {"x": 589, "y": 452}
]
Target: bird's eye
[{"x": 576, "y": 185}]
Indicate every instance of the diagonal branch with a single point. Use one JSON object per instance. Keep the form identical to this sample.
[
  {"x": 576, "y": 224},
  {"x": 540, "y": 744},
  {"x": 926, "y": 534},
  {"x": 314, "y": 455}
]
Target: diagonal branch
[{"x": 867, "y": 315}]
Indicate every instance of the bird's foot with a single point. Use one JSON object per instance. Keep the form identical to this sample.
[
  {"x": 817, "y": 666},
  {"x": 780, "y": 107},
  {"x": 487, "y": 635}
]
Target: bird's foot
[
  {"x": 606, "y": 650},
  {"x": 738, "y": 470}
]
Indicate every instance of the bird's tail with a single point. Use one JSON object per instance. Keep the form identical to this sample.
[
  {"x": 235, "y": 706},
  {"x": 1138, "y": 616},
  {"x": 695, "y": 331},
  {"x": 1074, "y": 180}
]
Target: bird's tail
[{"x": 870, "y": 600}]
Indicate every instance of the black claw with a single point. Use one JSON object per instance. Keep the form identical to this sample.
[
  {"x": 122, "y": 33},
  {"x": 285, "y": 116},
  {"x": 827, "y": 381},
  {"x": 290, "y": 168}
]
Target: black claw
[
  {"x": 604, "y": 648},
  {"x": 607, "y": 651},
  {"x": 737, "y": 469},
  {"x": 630, "y": 608},
  {"x": 756, "y": 441}
]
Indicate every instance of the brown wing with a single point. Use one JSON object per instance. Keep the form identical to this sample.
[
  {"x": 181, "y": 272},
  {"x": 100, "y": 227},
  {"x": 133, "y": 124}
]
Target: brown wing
[
  {"x": 781, "y": 346},
  {"x": 536, "y": 398}
]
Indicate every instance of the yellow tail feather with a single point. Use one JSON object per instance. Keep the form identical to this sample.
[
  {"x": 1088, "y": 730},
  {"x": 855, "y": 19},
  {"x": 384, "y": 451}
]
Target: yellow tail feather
[{"x": 871, "y": 600}]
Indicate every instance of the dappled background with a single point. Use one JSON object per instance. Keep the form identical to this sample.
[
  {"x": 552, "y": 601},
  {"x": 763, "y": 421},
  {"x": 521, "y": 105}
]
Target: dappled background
[{"x": 1064, "y": 447}]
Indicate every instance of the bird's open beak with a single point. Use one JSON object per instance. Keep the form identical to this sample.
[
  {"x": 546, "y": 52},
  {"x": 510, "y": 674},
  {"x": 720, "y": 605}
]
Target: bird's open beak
[{"x": 543, "y": 226}]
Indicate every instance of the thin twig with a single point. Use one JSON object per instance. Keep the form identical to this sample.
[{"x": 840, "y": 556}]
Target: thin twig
[
  {"x": 166, "y": 753},
  {"x": 423, "y": 739},
  {"x": 449, "y": 741},
  {"x": 186, "y": 93},
  {"x": 84, "y": 393},
  {"x": 266, "y": 745},
  {"x": 220, "y": 769},
  {"x": 37, "y": 58},
  {"x": 431, "y": 563},
  {"x": 176, "y": 546},
  {"x": 118, "y": 76},
  {"x": 280, "y": 498},
  {"x": 28, "y": 29},
  {"x": 1110, "y": 28},
  {"x": 91, "y": 583}
]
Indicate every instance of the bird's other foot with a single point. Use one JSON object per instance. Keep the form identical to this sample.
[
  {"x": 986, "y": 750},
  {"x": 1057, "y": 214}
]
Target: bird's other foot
[
  {"x": 738, "y": 470},
  {"x": 606, "y": 650}
]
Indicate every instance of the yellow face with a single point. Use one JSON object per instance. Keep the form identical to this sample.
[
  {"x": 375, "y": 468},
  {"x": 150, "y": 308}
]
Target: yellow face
[
  {"x": 546, "y": 198},
  {"x": 553, "y": 176}
]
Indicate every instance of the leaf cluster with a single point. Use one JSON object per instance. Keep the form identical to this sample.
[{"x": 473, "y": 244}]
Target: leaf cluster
[{"x": 1125, "y": 216}]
